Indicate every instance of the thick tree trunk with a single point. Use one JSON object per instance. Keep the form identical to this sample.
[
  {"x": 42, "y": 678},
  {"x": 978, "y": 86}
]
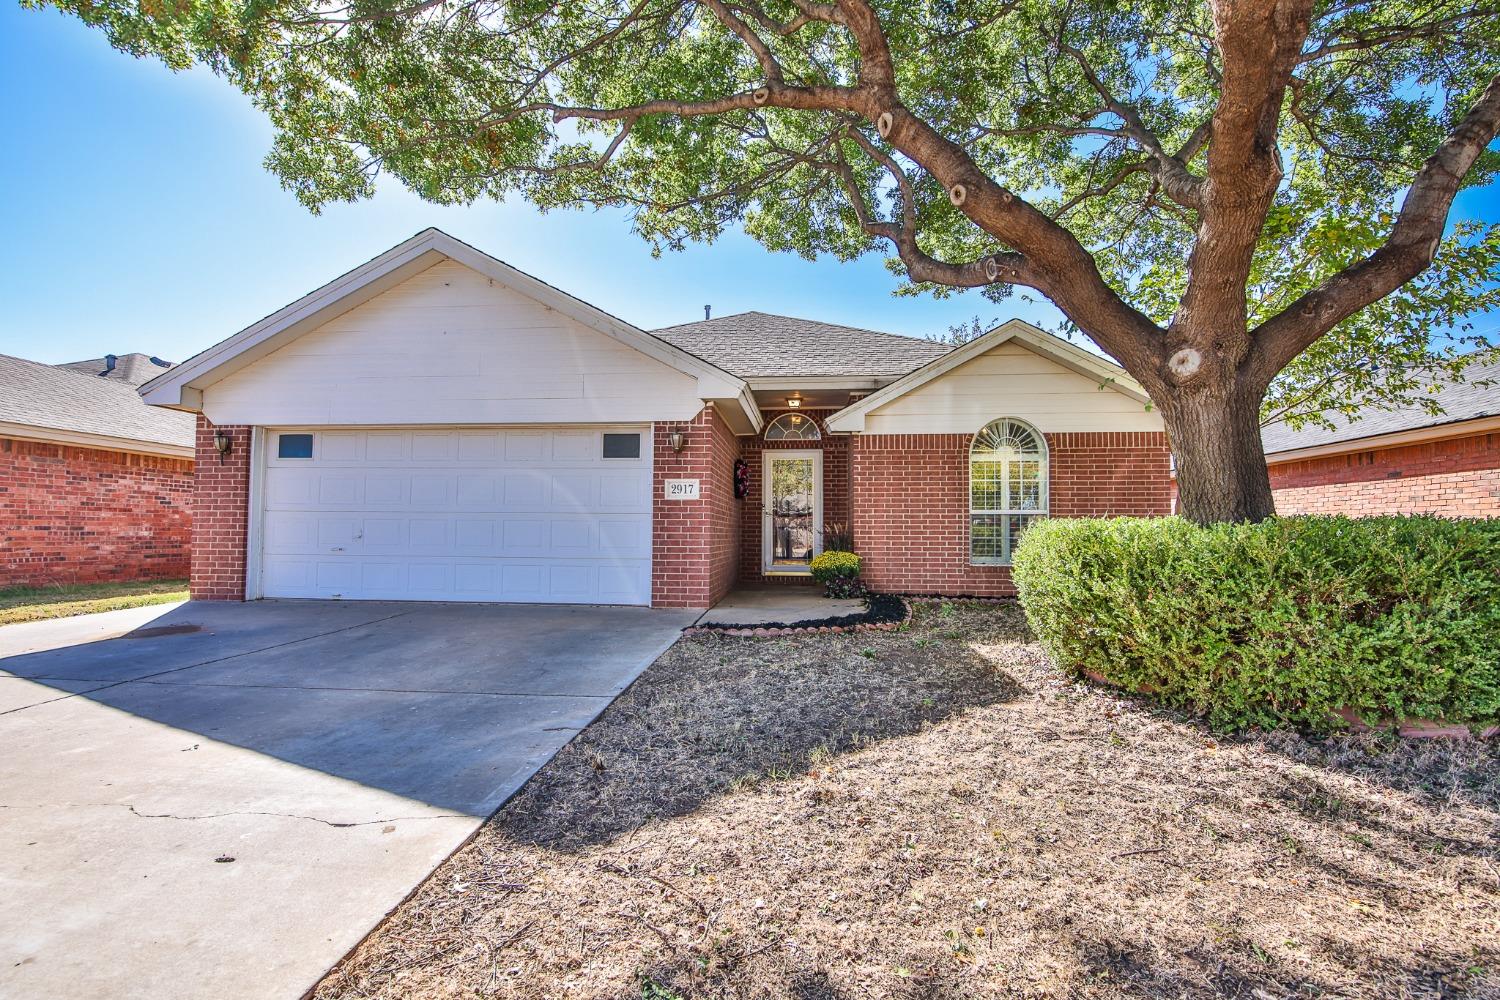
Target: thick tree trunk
[{"x": 1221, "y": 465}]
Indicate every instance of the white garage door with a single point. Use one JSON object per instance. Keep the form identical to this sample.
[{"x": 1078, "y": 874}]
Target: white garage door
[{"x": 556, "y": 515}]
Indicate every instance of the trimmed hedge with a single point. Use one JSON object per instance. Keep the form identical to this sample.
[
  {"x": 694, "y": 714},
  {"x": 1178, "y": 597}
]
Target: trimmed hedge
[{"x": 1275, "y": 623}]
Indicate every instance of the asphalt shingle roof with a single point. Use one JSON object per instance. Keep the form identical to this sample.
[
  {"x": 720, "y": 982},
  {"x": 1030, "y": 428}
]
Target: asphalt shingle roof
[
  {"x": 132, "y": 369},
  {"x": 761, "y": 345},
  {"x": 1465, "y": 399},
  {"x": 59, "y": 398}
]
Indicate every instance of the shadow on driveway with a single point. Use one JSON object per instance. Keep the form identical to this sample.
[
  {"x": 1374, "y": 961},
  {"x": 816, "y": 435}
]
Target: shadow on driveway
[{"x": 453, "y": 705}]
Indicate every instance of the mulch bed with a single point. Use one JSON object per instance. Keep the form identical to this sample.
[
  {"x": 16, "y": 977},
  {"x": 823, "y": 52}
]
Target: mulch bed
[
  {"x": 882, "y": 612},
  {"x": 936, "y": 812}
]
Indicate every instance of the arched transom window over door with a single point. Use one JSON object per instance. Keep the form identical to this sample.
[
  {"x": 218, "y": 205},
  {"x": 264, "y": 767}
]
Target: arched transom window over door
[
  {"x": 793, "y": 427},
  {"x": 1007, "y": 488}
]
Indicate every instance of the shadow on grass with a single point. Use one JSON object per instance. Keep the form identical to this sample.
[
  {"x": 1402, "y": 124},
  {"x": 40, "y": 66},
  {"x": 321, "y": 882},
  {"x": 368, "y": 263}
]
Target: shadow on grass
[
  {"x": 717, "y": 713},
  {"x": 1235, "y": 969}
]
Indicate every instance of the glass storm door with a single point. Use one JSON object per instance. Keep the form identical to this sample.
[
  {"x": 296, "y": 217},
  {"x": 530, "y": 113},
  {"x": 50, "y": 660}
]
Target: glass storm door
[{"x": 793, "y": 510}]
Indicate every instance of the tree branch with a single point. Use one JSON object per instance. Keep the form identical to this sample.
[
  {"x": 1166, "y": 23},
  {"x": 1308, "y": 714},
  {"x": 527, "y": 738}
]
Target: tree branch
[
  {"x": 1408, "y": 250},
  {"x": 1177, "y": 181},
  {"x": 763, "y": 55},
  {"x": 1259, "y": 43}
]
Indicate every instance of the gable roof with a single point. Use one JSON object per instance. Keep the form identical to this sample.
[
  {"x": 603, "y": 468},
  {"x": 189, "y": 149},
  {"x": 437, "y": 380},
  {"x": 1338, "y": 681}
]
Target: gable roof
[
  {"x": 132, "y": 369},
  {"x": 1473, "y": 396},
  {"x": 760, "y": 345},
  {"x": 1109, "y": 374},
  {"x": 52, "y": 403},
  {"x": 183, "y": 385}
]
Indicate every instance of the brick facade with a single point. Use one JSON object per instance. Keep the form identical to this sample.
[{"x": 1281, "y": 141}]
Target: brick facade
[
  {"x": 1458, "y": 477},
  {"x": 86, "y": 515},
  {"x": 906, "y": 497},
  {"x": 221, "y": 514},
  {"x": 836, "y": 491},
  {"x": 695, "y": 543},
  {"x": 911, "y": 502}
]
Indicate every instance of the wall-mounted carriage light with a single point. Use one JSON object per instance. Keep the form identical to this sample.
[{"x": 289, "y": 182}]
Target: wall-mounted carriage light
[
  {"x": 223, "y": 444},
  {"x": 677, "y": 440}
]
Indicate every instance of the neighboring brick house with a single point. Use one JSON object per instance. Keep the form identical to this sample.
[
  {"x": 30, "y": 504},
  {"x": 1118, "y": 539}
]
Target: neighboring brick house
[
  {"x": 1401, "y": 461},
  {"x": 436, "y": 425},
  {"x": 95, "y": 486}
]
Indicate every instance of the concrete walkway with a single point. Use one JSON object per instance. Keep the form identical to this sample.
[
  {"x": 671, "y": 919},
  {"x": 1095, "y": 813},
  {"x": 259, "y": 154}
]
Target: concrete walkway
[
  {"x": 785, "y": 604},
  {"x": 221, "y": 800}
]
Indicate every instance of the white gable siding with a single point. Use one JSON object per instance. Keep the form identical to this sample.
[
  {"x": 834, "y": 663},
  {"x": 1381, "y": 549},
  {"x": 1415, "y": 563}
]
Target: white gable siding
[
  {"x": 1011, "y": 381},
  {"x": 449, "y": 346}
]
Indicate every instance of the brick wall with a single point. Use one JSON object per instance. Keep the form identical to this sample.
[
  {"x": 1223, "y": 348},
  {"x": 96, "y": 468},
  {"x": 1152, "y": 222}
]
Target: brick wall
[
  {"x": 221, "y": 511},
  {"x": 87, "y": 515},
  {"x": 1459, "y": 477},
  {"x": 836, "y": 485},
  {"x": 911, "y": 502},
  {"x": 695, "y": 543}
]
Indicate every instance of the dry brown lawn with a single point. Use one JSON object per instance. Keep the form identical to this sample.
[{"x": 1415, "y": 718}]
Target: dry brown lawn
[{"x": 939, "y": 813}]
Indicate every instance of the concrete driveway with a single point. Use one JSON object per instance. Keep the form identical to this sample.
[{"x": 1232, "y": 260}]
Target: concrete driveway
[{"x": 208, "y": 800}]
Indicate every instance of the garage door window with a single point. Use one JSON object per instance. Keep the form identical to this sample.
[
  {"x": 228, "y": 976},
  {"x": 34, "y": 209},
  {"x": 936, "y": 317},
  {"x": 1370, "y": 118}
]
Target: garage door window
[
  {"x": 622, "y": 446},
  {"x": 294, "y": 445}
]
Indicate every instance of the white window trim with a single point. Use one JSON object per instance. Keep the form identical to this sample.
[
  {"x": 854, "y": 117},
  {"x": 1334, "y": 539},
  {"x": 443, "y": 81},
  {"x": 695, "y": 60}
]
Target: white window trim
[
  {"x": 817, "y": 432},
  {"x": 1043, "y": 510}
]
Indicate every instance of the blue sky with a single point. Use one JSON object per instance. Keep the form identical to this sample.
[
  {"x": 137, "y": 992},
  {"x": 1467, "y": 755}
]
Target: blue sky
[{"x": 137, "y": 217}]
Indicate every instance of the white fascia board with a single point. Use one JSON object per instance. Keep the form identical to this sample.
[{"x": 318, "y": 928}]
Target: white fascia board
[
  {"x": 103, "y": 442},
  {"x": 1394, "y": 439},
  {"x": 851, "y": 419},
  {"x": 390, "y": 269},
  {"x": 770, "y": 383}
]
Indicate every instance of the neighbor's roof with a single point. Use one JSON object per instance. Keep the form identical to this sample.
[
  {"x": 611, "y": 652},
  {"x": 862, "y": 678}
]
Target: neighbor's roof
[
  {"x": 761, "y": 345},
  {"x": 132, "y": 369},
  {"x": 1466, "y": 398},
  {"x": 51, "y": 397}
]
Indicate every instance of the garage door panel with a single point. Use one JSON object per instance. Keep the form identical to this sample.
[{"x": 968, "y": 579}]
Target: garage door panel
[
  {"x": 523, "y": 514},
  {"x": 574, "y": 491},
  {"x": 341, "y": 489},
  {"x": 526, "y": 446},
  {"x": 340, "y": 447},
  {"x": 387, "y": 447},
  {"x": 433, "y": 446},
  {"x": 290, "y": 487},
  {"x": 478, "y": 447},
  {"x": 624, "y": 491}
]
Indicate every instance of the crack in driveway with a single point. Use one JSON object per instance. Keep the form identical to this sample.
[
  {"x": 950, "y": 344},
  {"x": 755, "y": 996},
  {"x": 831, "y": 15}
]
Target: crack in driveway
[{"x": 312, "y": 819}]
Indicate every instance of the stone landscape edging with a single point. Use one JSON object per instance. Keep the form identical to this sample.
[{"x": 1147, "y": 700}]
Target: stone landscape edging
[{"x": 762, "y": 632}]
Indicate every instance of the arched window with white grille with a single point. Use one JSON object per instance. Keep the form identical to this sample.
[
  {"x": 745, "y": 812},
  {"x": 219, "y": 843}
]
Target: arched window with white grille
[
  {"x": 793, "y": 427},
  {"x": 1007, "y": 488}
]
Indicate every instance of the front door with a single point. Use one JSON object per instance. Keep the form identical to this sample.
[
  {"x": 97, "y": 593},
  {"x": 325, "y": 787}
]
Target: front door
[{"x": 793, "y": 510}]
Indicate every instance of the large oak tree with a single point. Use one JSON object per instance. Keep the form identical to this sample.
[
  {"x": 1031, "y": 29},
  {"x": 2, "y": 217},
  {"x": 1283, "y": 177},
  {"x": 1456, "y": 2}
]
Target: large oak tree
[{"x": 1180, "y": 178}]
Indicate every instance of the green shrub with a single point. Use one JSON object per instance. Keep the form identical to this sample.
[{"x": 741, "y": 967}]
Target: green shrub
[
  {"x": 1279, "y": 622},
  {"x": 838, "y": 572}
]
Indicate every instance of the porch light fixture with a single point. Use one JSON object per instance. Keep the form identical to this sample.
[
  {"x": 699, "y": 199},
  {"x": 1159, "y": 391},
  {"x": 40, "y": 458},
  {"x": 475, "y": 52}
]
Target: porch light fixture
[
  {"x": 677, "y": 440},
  {"x": 223, "y": 444},
  {"x": 794, "y": 401}
]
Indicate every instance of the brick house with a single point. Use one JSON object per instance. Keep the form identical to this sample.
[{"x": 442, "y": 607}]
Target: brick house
[
  {"x": 436, "y": 425},
  {"x": 95, "y": 485},
  {"x": 1401, "y": 461}
]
